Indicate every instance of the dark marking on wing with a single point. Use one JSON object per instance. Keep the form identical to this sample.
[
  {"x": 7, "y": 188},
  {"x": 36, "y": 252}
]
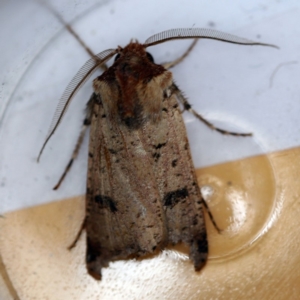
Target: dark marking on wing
[
  {"x": 172, "y": 198},
  {"x": 156, "y": 156},
  {"x": 202, "y": 245},
  {"x": 158, "y": 146},
  {"x": 131, "y": 112},
  {"x": 174, "y": 163},
  {"x": 112, "y": 151},
  {"x": 195, "y": 220},
  {"x": 199, "y": 250},
  {"x": 92, "y": 252},
  {"x": 106, "y": 202}
]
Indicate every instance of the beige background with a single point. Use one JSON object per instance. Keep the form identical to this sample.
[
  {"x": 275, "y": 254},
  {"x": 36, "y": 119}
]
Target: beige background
[{"x": 34, "y": 241}]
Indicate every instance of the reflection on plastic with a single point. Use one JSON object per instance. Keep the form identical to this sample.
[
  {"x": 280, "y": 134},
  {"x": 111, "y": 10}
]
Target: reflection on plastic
[{"x": 241, "y": 196}]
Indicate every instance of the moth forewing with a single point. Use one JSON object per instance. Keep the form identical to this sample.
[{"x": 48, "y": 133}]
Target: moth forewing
[
  {"x": 142, "y": 191},
  {"x": 141, "y": 175}
]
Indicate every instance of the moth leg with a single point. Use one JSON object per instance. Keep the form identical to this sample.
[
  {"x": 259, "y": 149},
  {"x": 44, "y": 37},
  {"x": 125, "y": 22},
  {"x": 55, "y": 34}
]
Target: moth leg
[
  {"x": 175, "y": 62},
  {"x": 8, "y": 282},
  {"x": 187, "y": 106},
  {"x": 72, "y": 31},
  {"x": 211, "y": 216},
  {"x": 83, "y": 44},
  {"x": 86, "y": 123},
  {"x": 82, "y": 227}
]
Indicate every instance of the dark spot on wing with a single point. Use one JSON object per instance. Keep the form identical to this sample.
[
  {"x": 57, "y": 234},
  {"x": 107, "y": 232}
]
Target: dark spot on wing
[
  {"x": 112, "y": 151},
  {"x": 131, "y": 122},
  {"x": 106, "y": 202},
  {"x": 160, "y": 145},
  {"x": 202, "y": 244},
  {"x": 172, "y": 198},
  {"x": 195, "y": 220},
  {"x": 156, "y": 156},
  {"x": 174, "y": 163},
  {"x": 131, "y": 114},
  {"x": 93, "y": 259},
  {"x": 92, "y": 252}
]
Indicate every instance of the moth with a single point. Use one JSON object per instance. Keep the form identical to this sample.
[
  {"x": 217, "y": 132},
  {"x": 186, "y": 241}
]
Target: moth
[{"x": 142, "y": 192}]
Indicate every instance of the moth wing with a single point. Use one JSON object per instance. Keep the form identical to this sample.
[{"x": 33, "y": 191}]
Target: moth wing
[
  {"x": 176, "y": 177},
  {"x": 125, "y": 216},
  {"x": 142, "y": 191}
]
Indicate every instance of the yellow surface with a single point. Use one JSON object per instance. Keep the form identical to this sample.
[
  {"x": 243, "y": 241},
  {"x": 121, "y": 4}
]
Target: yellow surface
[{"x": 255, "y": 202}]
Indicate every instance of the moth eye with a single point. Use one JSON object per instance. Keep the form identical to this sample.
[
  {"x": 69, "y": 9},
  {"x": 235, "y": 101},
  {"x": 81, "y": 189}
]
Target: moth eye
[
  {"x": 117, "y": 57},
  {"x": 150, "y": 57}
]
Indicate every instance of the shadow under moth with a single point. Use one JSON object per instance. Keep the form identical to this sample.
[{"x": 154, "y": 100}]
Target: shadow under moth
[{"x": 142, "y": 192}]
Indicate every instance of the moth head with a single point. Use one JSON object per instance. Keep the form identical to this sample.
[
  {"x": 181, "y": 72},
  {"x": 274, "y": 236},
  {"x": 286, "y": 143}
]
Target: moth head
[{"x": 132, "y": 50}]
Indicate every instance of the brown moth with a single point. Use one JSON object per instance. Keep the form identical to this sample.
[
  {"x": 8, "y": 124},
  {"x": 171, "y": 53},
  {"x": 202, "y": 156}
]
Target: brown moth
[{"x": 142, "y": 192}]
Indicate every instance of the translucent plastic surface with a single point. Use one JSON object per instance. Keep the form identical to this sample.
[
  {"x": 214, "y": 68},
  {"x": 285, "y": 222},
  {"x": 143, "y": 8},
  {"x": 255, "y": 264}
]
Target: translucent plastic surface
[{"x": 250, "y": 184}]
